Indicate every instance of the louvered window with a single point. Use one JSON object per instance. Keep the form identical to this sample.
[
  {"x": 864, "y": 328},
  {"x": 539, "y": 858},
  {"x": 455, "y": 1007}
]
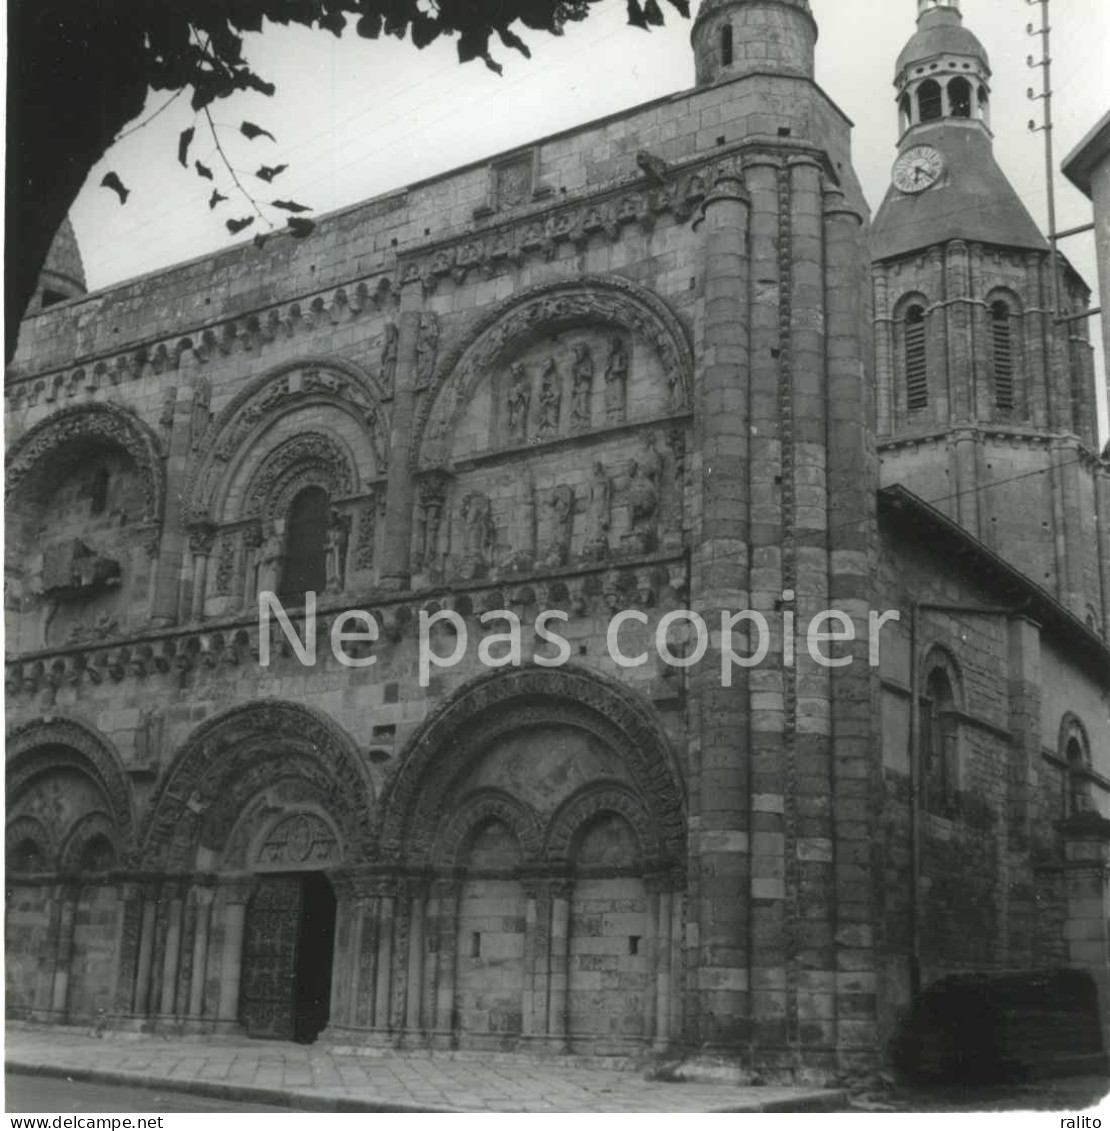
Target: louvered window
[
  {"x": 1002, "y": 341},
  {"x": 917, "y": 377}
]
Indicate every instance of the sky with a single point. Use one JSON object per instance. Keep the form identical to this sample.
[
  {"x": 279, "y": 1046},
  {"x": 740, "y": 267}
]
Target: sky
[{"x": 355, "y": 118}]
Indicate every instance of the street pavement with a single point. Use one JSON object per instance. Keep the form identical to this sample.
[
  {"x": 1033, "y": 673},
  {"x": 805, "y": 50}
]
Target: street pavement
[
  {"x": 48, "y": 1093},
  {"x": 317, "y": 1078}
]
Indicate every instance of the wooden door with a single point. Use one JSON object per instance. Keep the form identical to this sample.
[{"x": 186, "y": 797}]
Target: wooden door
[{"x": 270, "y": 958}]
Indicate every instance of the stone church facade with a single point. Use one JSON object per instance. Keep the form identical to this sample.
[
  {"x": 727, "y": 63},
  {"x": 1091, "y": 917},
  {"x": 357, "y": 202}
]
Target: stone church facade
[{"x": 661, "y": 362}]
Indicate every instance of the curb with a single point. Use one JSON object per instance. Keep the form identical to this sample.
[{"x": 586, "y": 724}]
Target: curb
[{"x": 820, "y": 1101}]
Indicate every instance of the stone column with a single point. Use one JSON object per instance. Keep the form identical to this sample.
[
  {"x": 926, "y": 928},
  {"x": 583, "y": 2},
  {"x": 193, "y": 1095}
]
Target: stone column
[
  {"x": 174, "y": 899},
  {"x": 234, "y": 897},
  {"x": 936, "y": 336},
  {"x": 173, "y": 552},
  {"x": 884, "y": 351},
  {"x": 982, "y": 397},
  {"x": 396, "y": 569},
  {"x": 127, "y": 946},
  {"x": 201, "y": 539},
  {"x": 146, "y": 951},
  {"x": 849, "y": 864},
  {"x": 68, "y": 895},
  {"x": 663, "y": 987},
  {"x": 415, "y": 965},
  {"x": 203, "y": 897},
  {"x": 558, "y": 1011},
  {"x": 720, "y": 578},
  {"x": 963, "y": 446},
  {"x": 447, "y": 897},
  {"x": 960, "y": 372},
  {"x": 382, "y": 1003},
  {"x": 1035, "y": 353},
  {"x": 1066, "y": 456}
]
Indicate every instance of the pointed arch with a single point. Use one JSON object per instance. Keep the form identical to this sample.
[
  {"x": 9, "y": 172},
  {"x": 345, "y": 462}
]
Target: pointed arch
[
  {"x": 40, "y": 746},
  {"x": 65, "y": 437},
  {"x": 492, "y": 707},
  {"x": 544, "y": 309},
  {"x": 298, "y": 384},
  {"x": 238, "y": 753}
]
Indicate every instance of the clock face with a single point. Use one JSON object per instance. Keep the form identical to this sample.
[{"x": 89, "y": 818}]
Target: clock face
[{"x": 918, "y": 169}]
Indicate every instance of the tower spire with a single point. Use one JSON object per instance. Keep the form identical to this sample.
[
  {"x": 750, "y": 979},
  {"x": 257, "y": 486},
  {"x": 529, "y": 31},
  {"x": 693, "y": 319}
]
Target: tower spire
[{"x": 732, "y": 38}]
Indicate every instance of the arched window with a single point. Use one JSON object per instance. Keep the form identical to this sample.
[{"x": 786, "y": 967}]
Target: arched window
[
  {"x": 1002, "y": 350},
  {"x": 98, "y": 493},
  {"x": 984, "y": 105},
  {"x": 930, "y": 104},
  {"x": 938, "y": 742},
  {"x": 959, "y": 98},
  {"x": 1079, "y": 793},
  {"x": 305, "y": 562},
  {"x": 28, "y": 857},
  {"x": 726, "y": 45},
  {"x": 98, "y": 855},
  {"x": 917, "y": 377}
]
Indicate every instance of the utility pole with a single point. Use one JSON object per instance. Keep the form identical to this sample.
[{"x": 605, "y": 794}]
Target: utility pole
[{"x": 1045, "y": 63}]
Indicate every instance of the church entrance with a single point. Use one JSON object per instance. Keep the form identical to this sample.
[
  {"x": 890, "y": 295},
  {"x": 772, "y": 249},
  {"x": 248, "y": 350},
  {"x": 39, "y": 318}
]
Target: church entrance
[{"x": 288, "y": 947}]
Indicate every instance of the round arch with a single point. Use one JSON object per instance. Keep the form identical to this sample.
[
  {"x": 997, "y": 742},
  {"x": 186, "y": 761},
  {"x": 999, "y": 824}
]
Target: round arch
[
  {"x": 228, "y": 442},
  {"x": 457, "y": 735},
  {"x": 237, "y": 753},
  {"x": 91, "y": 827},
  {"x": 551, "y": 306},
  {"x": 938, "y": 658},
  {"x": 24, "y": 831},
  {"x": 36, "y": 748},
  {"x": 578, "y": 810},
  {"x": 66, "y": 435},
  {"x": 489, "y": 805},
  {"x": 1071, "y": 727}
]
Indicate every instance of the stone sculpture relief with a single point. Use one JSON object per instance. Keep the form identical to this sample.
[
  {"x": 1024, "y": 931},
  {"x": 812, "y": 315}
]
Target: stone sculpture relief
[
  {"x": 524, "y": 526},
  {"x": 202, "y": 411},
  {"x": 433, "y": 492},
  {"x": 561, "y": 505},
  {"x": 477, "y": 535},
  {"x": 389, "y": 355},
  {"x": 427, "y": 349},
  {"x": 598, "y": 516},
  {"x": 582, "y": 373},
  {"x": 335, "y": 552},
  {"x": 270, "y": 555},
  {"x": 643, "y": 501},
  {"x": 616, "y": 382},
  {"x": 520, "y": 394},
  {"x": 367, "y": 525},
  {"x": 551, "y": 399}
]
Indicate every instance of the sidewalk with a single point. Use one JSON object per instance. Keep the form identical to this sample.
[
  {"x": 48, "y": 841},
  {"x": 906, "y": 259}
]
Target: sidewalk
[{"x": 312, "y": 1078}]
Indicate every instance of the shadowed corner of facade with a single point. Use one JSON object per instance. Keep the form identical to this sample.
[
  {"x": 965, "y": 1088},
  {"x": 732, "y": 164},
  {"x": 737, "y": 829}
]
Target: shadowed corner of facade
[{"x": 697, "y": 377}]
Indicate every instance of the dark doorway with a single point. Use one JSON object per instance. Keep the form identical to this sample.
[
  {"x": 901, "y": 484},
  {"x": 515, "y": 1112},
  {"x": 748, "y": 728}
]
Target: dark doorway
[
  {"x": 287, "y": 957},
  {"x": 315, "y": 949}
]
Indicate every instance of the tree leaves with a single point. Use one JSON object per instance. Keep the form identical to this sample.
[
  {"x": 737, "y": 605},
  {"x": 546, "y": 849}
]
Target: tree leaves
[
  {"x": 300, "y": 227},
  {"x": 183, "y": 143},
  {"x": 236, "y": 226},
  {"x": 250, "y": 131},
  {"x": 112, "y": 181},
  {"x": 216, "y": 198},
  {"x": 290, "y": 206},
  {"x": 268, "y": 172},
  {"x": 204, "y": 171}
]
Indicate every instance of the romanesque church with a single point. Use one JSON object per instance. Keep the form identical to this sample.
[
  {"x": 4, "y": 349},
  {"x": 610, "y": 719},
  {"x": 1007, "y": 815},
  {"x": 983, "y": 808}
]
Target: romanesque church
[{"x": 664, "y": 361}]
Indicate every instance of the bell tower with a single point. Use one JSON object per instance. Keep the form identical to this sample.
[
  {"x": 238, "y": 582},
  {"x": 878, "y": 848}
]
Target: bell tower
[
  {"x": 986, "y": 395},
  {"x": 741, "y": 37}
]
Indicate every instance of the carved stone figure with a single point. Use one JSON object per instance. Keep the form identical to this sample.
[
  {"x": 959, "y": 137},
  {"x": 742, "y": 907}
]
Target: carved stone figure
[
  {"x": 551, "y": 398},
  {"x": 582, "y": 373},
  {"x": 520, "y": 394},
  {"x": 477, "y": 535},
  {"x": 616, "y": 382},
  {"x": 523, "y": 534},
  {"x": 389, "y": 355},
  {"x": 202, "y": 410},
  {"x": 561, "y": 504},
  {"x": 427, "y": 349},
  {"x": 335, "y": 552},
  {"x": 270, "y": 555},
  {"x": 597, "y": 516},
  {"x": 643, "y": 500},
  {"x": 367, "y": 524},
  {"x": 432, "y": 494}
]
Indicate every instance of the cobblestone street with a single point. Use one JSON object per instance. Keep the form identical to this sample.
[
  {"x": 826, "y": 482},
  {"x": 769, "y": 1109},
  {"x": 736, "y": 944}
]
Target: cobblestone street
[{"x": 313, "y": 1078}]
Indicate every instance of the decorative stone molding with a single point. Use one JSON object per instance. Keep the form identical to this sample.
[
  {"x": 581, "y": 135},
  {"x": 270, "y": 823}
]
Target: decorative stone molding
[
  {"x": 595, "y": 799},
  {"x": 610, "y": 299},
  {"x": 28, "y": 828},
  {"x": 259, "y": 737},
  {"x": 90, "y": 826},
  {"x": 310, "y": 459},
  {"x": 264, "y": 400},
  {"x": 61, "y": 435},
  {"x": 475, "y": 810},
  {"x": 41, "y": 745},
  {"x": 460, "y": 731}
]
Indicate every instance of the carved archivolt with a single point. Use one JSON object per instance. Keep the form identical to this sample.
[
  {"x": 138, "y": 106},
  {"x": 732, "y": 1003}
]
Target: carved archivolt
[
  {"x": 1071, "y": 726},
  {"x": 489, "y": 805},
  {"x": 18, "y": 832},
  {"x": 266, "y": 399},
  {"x": 238, "y": 753},
  {"x": 457, "y": 736},
  {"x": 311, "y": 459},
  {"x": 61, "y": 437},
  {"x": 39, "y": 747},
  {"x": 592, "y": 801},
  {"x": 608, "y": 300},
  {"x": 90, "y": 826}
]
